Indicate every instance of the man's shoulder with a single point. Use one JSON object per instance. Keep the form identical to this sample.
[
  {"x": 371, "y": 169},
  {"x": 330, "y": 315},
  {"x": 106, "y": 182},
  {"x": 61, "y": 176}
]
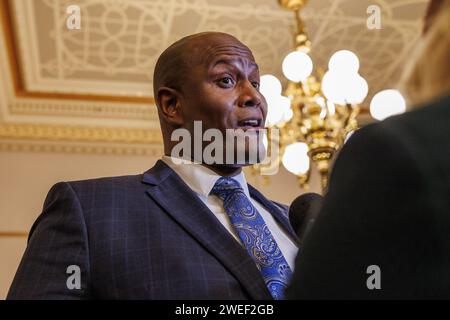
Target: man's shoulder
[
  {"x": 415, "y": 129},
  {"x": 411, "y": 147},
  {"x": 103, "y": 187},
  {"x": 110, "y": 188},
  {"x": 114, "y": 181}
]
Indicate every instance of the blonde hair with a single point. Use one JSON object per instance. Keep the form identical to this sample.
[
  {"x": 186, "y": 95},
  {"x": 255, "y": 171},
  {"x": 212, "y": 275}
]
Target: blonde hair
[{"x": 427, "y": 75}]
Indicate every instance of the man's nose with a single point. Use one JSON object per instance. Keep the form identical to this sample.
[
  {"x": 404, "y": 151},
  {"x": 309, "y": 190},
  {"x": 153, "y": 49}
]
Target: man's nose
[{"x": 249, "y": 95}]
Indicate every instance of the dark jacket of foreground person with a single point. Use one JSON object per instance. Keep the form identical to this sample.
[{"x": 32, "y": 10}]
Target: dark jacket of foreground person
[{"x": 388, "y": 205}]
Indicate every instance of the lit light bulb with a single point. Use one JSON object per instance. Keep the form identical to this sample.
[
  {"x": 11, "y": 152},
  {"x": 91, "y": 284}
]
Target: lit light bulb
[
  {"x": 333, "y": 88},
  {"x": 342, "y": 88},
  {"x": 387, "y": 103},
  {"x": 277, "y": 107},
  {"x": 356, "y": 89},
  {"x": 297, "y": 66},
  {"x": 344, "y": 61},
  {"x": 288, "y": 114},
  {"x": 295, "y": 158},
  {"x": 270, "y": 86}
]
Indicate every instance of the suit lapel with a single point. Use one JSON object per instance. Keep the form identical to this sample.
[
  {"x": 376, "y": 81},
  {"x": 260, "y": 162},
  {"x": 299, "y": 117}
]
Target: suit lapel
[
  {"x": 181, "y": 203},
  {"x": 277, "y": 212}
]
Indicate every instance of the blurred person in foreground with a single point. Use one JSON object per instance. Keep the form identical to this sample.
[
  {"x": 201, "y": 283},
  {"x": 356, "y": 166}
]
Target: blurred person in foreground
[{"x": 384, "y": 228}]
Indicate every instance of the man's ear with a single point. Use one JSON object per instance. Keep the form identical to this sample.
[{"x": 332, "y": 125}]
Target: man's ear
[{"x": 169, "y": 102}]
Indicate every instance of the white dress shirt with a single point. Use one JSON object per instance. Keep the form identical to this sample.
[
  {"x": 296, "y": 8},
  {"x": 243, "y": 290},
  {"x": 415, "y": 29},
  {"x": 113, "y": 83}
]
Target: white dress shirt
[{"x": 202, "y": 179}]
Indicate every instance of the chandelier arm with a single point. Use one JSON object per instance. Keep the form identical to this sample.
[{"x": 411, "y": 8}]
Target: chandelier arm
[
  {"x": 351, "y": 118},
  {"x": 299, "y": 23}
]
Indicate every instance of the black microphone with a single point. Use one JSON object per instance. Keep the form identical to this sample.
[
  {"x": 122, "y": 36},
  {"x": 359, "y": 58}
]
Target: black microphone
[{"x": 303, "y": 211}]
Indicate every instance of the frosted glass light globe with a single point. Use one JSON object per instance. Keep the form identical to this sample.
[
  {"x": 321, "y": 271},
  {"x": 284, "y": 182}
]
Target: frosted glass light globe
[
  {"x": 356, "y": 89},
  {"x": 341, "y": 88},
  {"x": 288, "y": 114},
  {"x": 344, "y": 61},
  {"x": 270, "y": 86},
  {"x": 295, "y": 158},
  {"x": 387, "y": 103},
  {"x": 277, "y": 107},
  {"x": 297, "y": 66},
  {"x": 333, "y": 87}
]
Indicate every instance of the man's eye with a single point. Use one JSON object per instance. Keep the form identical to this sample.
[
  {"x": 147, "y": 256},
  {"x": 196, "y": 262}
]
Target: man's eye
[
  {"x": 255, "y": 84},
  {"x": 227, "y": 81}
]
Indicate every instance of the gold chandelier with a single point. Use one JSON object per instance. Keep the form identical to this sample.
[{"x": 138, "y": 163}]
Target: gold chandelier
[{"x": 317, "y": 113}]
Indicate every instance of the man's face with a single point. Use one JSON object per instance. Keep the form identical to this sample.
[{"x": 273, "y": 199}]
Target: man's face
[{"x": 222, "y": 88}]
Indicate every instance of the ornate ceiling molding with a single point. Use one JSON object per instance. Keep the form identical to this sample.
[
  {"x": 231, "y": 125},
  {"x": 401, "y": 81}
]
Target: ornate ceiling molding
[
  {"x": 22, "y": 43},
  {"x": 77, "y": 123},
  {"x": 79, "y": 133},
  {"x": 88, "y": 83},
  {"x": 80, "y": 148}
]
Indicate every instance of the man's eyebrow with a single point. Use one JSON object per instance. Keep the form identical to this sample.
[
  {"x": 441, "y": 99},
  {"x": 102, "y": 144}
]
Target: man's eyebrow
[{"x": 232, "y": 61}]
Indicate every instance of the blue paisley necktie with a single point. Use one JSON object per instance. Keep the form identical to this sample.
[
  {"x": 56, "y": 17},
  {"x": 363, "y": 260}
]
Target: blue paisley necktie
[{"x": 255, "y": 235}]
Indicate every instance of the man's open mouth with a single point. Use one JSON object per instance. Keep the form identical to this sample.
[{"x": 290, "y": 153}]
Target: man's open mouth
[{"x": 250, "y": 123}]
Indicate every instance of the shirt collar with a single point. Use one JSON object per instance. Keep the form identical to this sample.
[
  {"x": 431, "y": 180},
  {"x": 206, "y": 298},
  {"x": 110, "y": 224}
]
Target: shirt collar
[{"x": 200, "y": 178}]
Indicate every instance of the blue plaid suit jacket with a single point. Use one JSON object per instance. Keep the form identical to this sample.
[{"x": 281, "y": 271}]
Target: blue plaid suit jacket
[{"x": 146, "y": 236}]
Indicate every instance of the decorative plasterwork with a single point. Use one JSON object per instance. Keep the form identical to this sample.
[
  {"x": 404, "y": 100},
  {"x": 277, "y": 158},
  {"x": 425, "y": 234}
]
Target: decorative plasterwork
[
  {"x": 78, "y": 133},
  {"x": 80, "y": 148},
  {"x": 91, "y": 82},
  {"x": 115, "y": 50},
  {"x": 52, "y": 123}
]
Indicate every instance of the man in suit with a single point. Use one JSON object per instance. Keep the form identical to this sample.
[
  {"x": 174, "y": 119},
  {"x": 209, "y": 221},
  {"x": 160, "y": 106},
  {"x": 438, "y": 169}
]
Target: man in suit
[
  {"x": 384, "y": 229},
  {"x": 176, "y": 231}
]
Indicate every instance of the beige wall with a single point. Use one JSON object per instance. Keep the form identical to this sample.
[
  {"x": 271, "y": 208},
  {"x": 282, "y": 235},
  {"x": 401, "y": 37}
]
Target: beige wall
[{"x": 26, "y": 177}]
